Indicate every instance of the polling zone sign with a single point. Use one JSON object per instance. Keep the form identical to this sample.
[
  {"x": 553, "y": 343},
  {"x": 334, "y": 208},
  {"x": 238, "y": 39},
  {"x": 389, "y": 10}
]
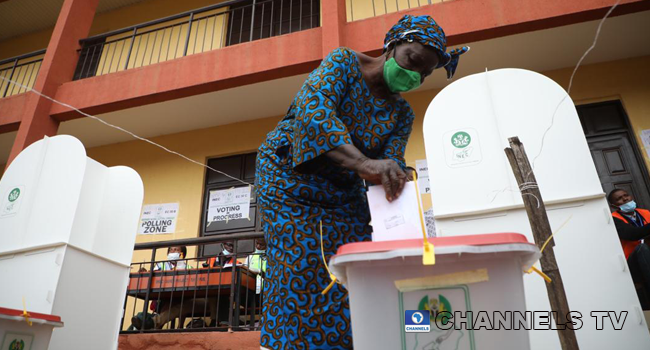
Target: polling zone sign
[
  {"x": 231, "y": 204},
  {"x": 158, "y": 219}
]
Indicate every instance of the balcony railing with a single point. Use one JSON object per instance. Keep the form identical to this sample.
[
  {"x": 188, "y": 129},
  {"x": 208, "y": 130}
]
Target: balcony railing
[
  {"x": 362, "y": 9},
  {"x": 211, "y": 292},
  {"x": 23, "y": 70},
  {"x": 205, "y": 29}
]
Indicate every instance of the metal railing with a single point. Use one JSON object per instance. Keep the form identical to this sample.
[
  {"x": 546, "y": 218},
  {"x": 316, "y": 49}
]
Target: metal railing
[
  {"x": 201, "y": 30},
  {"x": 182, "y": 295},
  {"x": 23, "y": 70},
  {"x": 362, "y": 9}
]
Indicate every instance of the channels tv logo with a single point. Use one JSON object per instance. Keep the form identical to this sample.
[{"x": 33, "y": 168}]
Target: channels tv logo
[{"x": 417, "y": 321}]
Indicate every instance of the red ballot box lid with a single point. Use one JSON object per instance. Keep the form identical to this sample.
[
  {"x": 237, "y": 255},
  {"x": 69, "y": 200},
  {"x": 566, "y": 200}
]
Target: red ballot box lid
[
  {"x": 468, "y": 240},
  {"x": 35, "y": 317},
  {"x": 513, "y": 244}
]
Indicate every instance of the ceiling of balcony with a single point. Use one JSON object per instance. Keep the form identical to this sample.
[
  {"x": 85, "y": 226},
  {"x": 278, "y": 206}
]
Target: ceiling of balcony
[
  {"x": 621, "y": 37},
  {"x": 20, "y": 17}
]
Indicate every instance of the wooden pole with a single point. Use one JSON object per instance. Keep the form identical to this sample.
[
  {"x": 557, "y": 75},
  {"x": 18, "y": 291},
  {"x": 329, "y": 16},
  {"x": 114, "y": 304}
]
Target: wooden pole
[{"x": 541, "y": 228}]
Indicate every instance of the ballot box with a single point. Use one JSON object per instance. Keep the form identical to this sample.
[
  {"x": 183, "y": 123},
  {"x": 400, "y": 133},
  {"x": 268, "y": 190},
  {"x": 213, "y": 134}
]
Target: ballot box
[
  {"x": 16, "y": 333},
  {"x": 473, "y": 189},
  {"x": 67, "y": 227},
  {"x": 474, "y": 276}
]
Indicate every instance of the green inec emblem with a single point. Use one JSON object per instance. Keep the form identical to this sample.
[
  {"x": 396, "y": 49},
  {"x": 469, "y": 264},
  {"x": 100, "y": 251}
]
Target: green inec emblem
[
  {"x": 14, "y": 194},
  {"x": 461, "y": 139},
  {"x": 17, "y": 344}
]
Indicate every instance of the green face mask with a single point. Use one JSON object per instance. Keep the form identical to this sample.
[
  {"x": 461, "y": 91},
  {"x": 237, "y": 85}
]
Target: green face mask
[{"x": 400, "y": 79}]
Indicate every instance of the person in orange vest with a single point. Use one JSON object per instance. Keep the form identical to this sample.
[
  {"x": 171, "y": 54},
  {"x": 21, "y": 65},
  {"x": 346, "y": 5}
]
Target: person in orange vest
[
  {"x": 633, "y": 227},
  {"x": 225, "y": 259}
]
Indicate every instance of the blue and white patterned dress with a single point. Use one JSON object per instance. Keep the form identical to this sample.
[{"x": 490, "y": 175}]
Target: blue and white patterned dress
[{"x": 334, "y": 107}]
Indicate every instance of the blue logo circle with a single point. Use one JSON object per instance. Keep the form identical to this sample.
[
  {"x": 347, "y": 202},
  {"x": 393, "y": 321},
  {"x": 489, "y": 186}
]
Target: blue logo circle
[{"x": 417, "y": 317}]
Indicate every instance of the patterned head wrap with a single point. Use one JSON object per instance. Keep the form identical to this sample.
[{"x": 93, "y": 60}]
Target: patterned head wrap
[{"x": 426, "y": 31}]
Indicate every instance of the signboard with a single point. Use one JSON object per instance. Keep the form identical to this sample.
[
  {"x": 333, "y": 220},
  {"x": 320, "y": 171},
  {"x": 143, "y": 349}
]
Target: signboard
[
  {"x": 193, "y": 279},
  {"x": 423, "y": 176},
  {"x": 231, "y": 204},
  {"x": 158, "y": 219}
]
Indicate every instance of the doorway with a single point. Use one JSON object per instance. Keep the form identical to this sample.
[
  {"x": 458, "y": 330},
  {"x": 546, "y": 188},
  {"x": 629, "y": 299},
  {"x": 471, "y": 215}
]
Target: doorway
[{"x": 614, "y": 150}]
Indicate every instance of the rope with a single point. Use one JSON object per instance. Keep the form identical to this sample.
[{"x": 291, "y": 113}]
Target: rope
[
  {"x": 541, "y": 251},
  {"x": 428, "y": 254},
  {"x": 26, "y": 314},
  {"x": 593, "y": 45},
  {"x": 123, "y": 130},
  {"x": 322, "y": 251},
  {"x": 575, "y": 69}
]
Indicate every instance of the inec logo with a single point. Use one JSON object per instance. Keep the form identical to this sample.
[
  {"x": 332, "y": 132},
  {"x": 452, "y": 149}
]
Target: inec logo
[
  {"x": 14, "y": 194},
  {"x": 461, "y": 139},
  {"x": 417, "y": 321},
  {"x": 17, "y": 344}
]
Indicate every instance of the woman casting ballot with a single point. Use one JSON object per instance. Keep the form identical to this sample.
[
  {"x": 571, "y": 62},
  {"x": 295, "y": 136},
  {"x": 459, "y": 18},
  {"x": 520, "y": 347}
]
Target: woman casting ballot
[{"x": 347, "y": 124}]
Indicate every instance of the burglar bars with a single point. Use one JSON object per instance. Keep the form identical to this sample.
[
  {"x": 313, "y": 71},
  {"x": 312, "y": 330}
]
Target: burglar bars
[
  {"x": 197, "y": 31},
  {"x": 362, "y": 9},
  {"x": 183, "y": 299},
  {"x": 23, "y": 70}
]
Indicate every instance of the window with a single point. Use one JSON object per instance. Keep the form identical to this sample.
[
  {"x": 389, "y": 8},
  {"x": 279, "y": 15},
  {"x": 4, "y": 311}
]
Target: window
[{"x": 240, "y": 167}]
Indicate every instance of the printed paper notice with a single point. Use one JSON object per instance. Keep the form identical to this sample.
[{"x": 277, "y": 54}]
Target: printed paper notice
[
  {"x": 423, "y": 176},
  {"x": 398, "y": 219},
  {"x": 645, "y": 138},
  {"x": 230, "y": 204},
  {"x": 158, "y": 219}
]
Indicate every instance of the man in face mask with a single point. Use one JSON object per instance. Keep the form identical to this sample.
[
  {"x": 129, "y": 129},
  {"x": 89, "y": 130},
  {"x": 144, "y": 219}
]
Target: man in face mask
[
  {"x": 175, "y": 259},
  {"x": 633, "y": 227},
  {"x": 226, "y": 259},
  {"x": 166, "y": 310}
]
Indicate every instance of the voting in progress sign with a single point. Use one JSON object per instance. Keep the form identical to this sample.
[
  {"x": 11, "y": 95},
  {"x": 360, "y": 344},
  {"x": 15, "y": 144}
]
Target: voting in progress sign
[{"x": 230, "y": 204}]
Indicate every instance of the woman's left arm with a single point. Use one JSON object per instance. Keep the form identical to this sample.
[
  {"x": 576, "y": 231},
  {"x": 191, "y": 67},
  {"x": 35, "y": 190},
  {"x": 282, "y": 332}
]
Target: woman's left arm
[{"x": 395, "y": 146}]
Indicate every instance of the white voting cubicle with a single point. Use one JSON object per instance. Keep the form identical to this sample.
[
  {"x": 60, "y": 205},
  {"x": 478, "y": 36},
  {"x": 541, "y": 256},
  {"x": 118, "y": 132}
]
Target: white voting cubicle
[
  {"x": 67, "y": 227},
  {"x": 466, "y": 129}
]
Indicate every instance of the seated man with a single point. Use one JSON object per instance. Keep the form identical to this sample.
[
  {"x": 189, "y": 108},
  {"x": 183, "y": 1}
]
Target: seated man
[
  {"x": 633, "y": 227},
  {"x": 175, "y": 256},
  {"x": 171, "y": 309},
  {"x": 224, "y": 259}
]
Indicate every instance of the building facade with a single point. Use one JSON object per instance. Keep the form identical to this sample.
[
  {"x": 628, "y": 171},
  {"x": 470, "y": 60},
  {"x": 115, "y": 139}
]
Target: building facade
[{"x": 209, "y": 79}]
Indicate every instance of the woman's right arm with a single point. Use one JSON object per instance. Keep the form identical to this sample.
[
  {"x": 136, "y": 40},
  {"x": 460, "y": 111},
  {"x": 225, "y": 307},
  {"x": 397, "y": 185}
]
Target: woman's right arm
[
  {"x": 318, "y": 131},
  {"x": 385, "y": 172}
]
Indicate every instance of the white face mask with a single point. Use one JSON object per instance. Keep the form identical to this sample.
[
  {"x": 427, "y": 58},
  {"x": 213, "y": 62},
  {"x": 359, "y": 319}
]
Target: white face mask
[
  {"x": 225, "y": 252},
  {"x": 173, "y": 256},
  {"x": 260, "y": 251}
]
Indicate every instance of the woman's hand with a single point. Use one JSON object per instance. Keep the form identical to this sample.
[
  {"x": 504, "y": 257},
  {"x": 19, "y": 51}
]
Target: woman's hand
[{"x": 383, "y": 172}]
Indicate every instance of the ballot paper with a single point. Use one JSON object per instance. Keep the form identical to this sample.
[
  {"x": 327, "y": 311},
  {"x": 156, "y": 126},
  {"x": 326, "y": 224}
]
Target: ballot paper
[{"x": 395, "y": 220}]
